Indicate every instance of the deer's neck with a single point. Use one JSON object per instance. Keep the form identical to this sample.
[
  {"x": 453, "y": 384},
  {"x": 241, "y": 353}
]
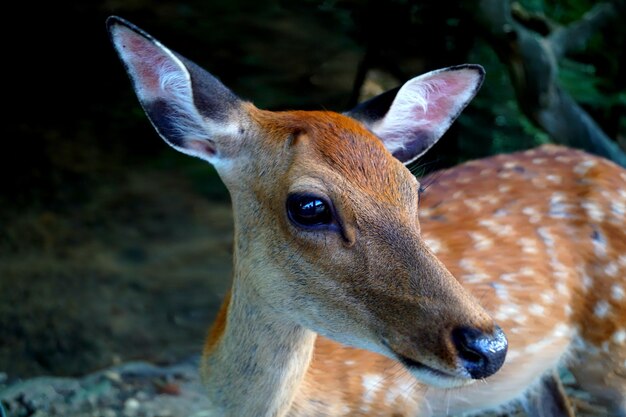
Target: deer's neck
[{"x": 257, "y": 363}]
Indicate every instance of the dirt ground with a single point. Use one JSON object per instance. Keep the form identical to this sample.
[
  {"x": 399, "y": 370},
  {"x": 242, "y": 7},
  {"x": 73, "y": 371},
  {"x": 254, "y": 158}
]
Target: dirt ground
[{"x": 137, "y": 270}]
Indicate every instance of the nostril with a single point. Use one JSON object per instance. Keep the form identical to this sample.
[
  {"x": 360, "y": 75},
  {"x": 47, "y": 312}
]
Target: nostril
[
  {"x": 466, "y": 341},
  {"x": 481, "y": 354},
  {"x": 468, "y": 355}
]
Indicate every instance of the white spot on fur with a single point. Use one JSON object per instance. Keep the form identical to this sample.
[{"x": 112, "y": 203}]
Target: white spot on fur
[
  {"x": 568, "y": 310},
  {"x": 533, "y": 214},
  {"x": 504, "y": 188},
  {"x": 560, "y": 331},
  {"x": 536, "y": 310},
  {"x": 559, "y": 206},
  {"x": 622, "y": 260},
  {"x": 584, "y": 166},
  {"x": 434, "y": 245},
  {"x": 458, "y": 194},
  {"x": 601, "y": 309},
  {"x": 536, "y": 347},
  {"x": 611, "y": 269},
  {"x": 619, "y": 337},
  {"x": 350, "y": 363},
  {"x": 562, "y": 288},
  {"x": 497, "y": 228},
  {"x": 507, "y": 311},
  {"x": 371, "y": 385},
  {"x": 402, "y": 389},
  {"x": 545, "y": 235},
  {"x": 467, "y": 264},
  {"x": 512, "y": 354},
  {"x": 547, "y": 297},
  {"x": 502, "y": 291},
  {"x": 481, "y": 242},
  {"x": 528, "y": 246},
  {"x": 593, "y": 210},
  {"x": 508, "y": 277},
  {"x": 618, "y": 208},
  {"x": 473, "y": 204},
  {"x": 587, "y": 281},
  {"x": 554, "y": 178},
  {"x": 476, "y": 278},
  {"x": 560, "y": 271},
  {"x": 617, "y": 292}
]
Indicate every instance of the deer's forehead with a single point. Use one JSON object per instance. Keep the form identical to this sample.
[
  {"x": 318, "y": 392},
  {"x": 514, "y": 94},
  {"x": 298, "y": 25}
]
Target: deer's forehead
[{"x": 327, "y": 143}]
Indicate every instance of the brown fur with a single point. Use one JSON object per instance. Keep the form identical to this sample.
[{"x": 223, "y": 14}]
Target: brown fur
[{"x": 218, "y": 327}]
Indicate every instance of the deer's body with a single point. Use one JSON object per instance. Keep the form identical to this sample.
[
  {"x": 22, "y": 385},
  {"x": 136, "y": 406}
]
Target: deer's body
[{"x": 330, "y": 253}]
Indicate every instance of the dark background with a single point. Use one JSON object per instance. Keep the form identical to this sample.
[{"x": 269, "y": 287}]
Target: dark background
[{"x": 114, "y": 247}]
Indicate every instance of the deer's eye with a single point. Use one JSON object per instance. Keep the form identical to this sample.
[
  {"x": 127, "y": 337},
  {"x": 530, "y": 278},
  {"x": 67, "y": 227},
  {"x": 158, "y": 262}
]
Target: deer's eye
[{"x": 305, "y": 210}]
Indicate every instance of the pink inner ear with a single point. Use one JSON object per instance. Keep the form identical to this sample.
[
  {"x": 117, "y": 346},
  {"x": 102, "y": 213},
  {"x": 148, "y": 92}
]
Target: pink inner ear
[
  {"x": 202, "y": 147},
  {"x": 146, "y": 61},
  {"x": 442, "y": 94},
  {"x": 424, "y": 108}
]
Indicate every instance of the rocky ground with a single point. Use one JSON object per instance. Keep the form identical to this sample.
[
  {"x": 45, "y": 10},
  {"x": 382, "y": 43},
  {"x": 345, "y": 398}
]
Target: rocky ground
[
  {"x": 140, "y": 389},
  {"x": 135, "y": 389}
]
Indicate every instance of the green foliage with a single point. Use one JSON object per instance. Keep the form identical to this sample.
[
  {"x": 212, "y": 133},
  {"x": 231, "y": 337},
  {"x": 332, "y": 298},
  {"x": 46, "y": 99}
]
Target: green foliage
[
  {"x": 494, "y": 123},
  {"x": 593, "y": 76},
  {"x": 581, "y": 82}
]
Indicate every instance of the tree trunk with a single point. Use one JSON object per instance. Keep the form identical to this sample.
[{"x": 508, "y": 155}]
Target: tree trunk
[{"x": 532, "y": 61}]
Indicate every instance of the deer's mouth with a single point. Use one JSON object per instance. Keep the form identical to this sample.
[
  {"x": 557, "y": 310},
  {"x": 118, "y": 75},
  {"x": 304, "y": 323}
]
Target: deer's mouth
[
  {"x": 419, "y": 366},
  {"x": 432, "y": 376}
]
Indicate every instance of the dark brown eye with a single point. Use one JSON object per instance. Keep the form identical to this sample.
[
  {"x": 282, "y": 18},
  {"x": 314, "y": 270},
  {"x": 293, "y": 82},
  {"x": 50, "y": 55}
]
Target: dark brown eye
[{"x": 306, "y": 210}]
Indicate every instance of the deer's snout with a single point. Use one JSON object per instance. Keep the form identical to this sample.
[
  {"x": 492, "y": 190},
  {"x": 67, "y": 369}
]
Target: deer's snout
[{"x": 480, "y": 353}]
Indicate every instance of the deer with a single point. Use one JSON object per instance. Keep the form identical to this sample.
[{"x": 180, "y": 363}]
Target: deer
[{"x": 356, "y": 293}]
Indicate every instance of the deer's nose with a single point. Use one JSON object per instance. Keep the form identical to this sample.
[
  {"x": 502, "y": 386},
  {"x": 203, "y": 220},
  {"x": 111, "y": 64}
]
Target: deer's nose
[{"x": 480, "y": 353}]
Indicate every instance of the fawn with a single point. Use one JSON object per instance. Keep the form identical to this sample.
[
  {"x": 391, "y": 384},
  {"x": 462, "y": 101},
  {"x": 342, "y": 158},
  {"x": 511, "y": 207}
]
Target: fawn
[{"x": 343, "y": 303}]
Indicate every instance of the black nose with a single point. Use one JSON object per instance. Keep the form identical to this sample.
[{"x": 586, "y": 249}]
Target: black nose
[{"x": 481, "y": 354}]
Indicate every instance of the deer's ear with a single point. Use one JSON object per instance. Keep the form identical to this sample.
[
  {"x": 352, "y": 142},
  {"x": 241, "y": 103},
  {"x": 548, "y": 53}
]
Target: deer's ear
[
  {"x": 411, "y": 119},
  {"x": 191, "y": 110}
]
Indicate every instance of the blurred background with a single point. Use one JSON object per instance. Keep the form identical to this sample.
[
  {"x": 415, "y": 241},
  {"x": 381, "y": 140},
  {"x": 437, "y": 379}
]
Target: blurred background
[{"x": 113, "y": 247}]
